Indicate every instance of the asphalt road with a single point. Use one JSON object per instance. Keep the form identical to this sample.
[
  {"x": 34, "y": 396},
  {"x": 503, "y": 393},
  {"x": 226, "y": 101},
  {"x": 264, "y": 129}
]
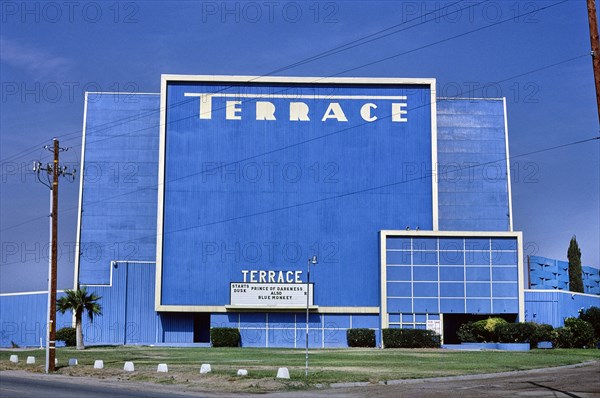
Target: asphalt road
[
  {"x": 26, "y": 385},
  {"x": 571, "y": 381}
]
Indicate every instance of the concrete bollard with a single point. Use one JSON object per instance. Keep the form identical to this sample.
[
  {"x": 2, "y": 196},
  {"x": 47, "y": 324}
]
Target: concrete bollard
[
  {"x": 55, "y": 361},
  {"x": 129, "y": 367},
  {"x": 205, "y": 368},
  {"x": 162, "y": 368},
  {"x": 283, "y": 373},
  {"x": 30, "y": 360},
  {"x": 98, "y": 364},
  {"x": 14, "y": 358},
  {"x": 242, "y": 372},
  {"x": 73, "y": 362}
]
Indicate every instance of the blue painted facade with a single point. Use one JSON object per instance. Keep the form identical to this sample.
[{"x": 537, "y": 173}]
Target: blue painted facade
[
  {"x": 248, "y": 194},
  {"x": 263, "y": 195}
]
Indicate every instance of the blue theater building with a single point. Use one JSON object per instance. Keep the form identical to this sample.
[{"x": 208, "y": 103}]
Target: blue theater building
[{"x": 200, "y": 206}]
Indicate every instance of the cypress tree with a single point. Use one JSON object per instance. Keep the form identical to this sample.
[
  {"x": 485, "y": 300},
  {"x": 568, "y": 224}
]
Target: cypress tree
[{"x": 575, "y": 272}]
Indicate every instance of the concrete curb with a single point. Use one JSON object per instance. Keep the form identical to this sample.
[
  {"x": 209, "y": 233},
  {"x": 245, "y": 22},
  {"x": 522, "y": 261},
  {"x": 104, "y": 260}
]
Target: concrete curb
[
  {"x": 462, "y": 377},
  {"x": 354, "y": 384}
]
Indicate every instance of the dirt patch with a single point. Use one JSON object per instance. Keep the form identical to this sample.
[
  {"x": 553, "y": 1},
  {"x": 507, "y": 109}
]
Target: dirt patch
[{"x": 223, "y": 381}]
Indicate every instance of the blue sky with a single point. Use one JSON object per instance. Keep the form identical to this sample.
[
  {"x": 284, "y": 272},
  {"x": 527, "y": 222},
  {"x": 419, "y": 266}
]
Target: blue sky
[{"x": 51, "y": 52}]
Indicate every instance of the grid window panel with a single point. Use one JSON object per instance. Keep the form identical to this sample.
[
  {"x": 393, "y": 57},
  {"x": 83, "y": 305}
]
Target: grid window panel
[
  {"x": 478, "y": 290},
  {"x": 398, "y": 243},
  {"x": 505, "y": 290},
  {"x": 506, "y": 305},
  {"x": 504, "y": 258},
  {"x": 426, "y": 305},
  {"x": 399, "y": 289},
  {"x": 477, "y": 258},
  {"x": 504, "y": 244},
  {"x": 451, "y": 258},
  {"x": 425, "y": 289},
  {"x": 425, "y": 273},
  {"x": 456, "y": 289},
  {"x": 425, "y": 243},
  {"x": 452, "y": 273},
  {"x": 425, "y": 258},
  {"x": 505, "y": 274},
  {"x": 451, "y": 244},
  {"x": 395, "y": 318},
  {"x": 401, "y": 257},
  {"x": 452, "y": 305},
  {"x": 408, "y": 318},
  {"x": 478, "y": 274},
  {"x": 479, "y": 306},
  {"x": 399, "y": 304},
  {"x": 477, "y": 244},
  {"x": 398, "y": 273}
]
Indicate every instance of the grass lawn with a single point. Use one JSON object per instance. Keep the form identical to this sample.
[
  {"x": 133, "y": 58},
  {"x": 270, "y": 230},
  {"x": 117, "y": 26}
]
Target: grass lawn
[{"x": 326, "y": 366}]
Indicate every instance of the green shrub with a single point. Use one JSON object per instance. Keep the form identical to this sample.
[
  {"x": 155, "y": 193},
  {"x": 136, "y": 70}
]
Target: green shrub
[
  {"x": 509, "y": 333},
  {"x": 480, "y": 331},
  {"x": 542, "y": 332},
  {"x": 592, "y": 315},
  {"x": 68, "y": 335},
  {"x": 466, "y": 334},
  {"x": 360, "y": 337},
  {"x": 410, "y": 338},
  {"x": 563, "y": 338},
  {"x": 583, "y": 332},
  {"x": 225, "y": 337},
  {"x": 517, "y": 333}
]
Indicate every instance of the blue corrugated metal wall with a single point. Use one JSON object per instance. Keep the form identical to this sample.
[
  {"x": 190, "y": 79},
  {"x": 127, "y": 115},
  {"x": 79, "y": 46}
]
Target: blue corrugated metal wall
[
  {"x": 128, "y": 307},
  {"x": 552, "y": 307},
  {"x": 472, "y": 169},
  {"x": 23, "y": 319},
  {"x": 120, "y": 183}
]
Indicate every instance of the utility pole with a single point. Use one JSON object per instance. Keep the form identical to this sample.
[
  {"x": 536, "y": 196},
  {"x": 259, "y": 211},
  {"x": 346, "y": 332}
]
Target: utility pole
[
  {"x": 55, "y": 170},
  {"x": 593, "y": 21}
]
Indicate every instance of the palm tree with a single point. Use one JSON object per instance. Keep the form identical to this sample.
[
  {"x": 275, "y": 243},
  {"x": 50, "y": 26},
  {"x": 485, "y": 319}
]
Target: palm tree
[{"x": 79, "y": 301}]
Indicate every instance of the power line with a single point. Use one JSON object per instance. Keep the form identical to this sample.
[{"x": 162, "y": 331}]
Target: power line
[
  {"x": 370, "y": 63},
  {"x": 335, "y": 50},
  {"x": 469, "y": 92},
  {"x": 340, "y": 196},
  {"x": 450, "y": 38}
]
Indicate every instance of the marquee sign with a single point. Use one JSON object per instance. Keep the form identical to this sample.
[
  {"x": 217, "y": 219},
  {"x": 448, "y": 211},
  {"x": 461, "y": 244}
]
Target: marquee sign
[{"x": 270, "y": 295}]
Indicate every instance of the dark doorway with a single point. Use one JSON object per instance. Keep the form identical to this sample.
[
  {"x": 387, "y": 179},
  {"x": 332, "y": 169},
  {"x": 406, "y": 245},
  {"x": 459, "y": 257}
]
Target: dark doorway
[
  {"x": 453, "y": 321},
  {"x": 202, "y": 328}
]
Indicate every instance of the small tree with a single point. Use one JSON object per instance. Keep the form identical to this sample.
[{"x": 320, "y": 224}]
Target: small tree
[
  {"x": 79, "y": 301},
  {"x": 574, "y": 256}
]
